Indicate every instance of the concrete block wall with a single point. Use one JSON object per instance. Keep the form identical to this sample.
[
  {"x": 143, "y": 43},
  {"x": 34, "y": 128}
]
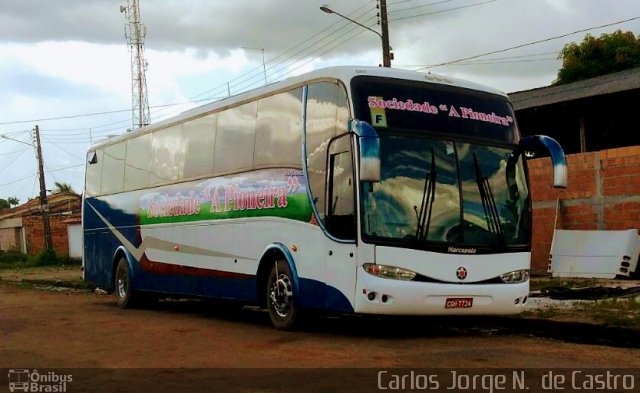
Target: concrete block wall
[{"x": 603, "y": 193}]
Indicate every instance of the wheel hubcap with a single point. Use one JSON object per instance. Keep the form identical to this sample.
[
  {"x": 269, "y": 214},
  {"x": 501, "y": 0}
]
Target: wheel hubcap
[
  {"x": 122, "y": 284},
  {"x": 281, "y": 295}
]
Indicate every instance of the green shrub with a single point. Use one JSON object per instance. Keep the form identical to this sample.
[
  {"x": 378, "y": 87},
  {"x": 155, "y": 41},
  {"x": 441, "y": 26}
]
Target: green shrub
[
  {"x": 45, "y": 258},
  {"x": 63, "y": 259},
  {"x": 12, "y": 256},
  {"x": 15, "y": 259}
]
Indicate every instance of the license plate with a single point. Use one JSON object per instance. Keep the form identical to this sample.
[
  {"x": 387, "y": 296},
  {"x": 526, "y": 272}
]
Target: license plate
[{"x": 459, "y": 302}]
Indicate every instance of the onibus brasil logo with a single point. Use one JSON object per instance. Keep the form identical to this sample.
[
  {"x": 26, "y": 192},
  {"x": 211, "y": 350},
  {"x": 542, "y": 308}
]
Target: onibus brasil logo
[{"x": 32, "y": 381}]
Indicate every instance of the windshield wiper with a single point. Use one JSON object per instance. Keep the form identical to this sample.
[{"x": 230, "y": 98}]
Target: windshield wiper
[
  {"x": 488, "y": 202},
  {"x": 428, "y": 196}
]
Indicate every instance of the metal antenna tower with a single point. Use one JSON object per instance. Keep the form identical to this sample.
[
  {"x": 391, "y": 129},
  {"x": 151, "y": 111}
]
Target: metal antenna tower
[{"x": 135, "y": 33}]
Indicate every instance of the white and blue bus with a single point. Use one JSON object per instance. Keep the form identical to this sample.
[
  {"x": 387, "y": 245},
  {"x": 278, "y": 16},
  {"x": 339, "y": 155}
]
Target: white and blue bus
[{"x": 348, "y": 190}]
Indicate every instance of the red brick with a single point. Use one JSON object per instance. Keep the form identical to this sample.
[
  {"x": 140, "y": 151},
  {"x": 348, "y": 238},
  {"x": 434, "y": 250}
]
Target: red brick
[{"x": 620, "y": 176}]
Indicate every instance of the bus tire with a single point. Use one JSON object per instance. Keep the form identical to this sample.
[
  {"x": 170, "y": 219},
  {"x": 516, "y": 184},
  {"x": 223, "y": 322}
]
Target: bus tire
[
  {"x": 122, "y": 285},
  {"x": 280, "y": 301}
]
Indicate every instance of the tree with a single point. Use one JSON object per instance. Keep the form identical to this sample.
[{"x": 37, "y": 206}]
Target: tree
[
  {"x": 8, "y": 203},
  {"x": 598, "y": 56},
  {"x": 62, "y": 187}
]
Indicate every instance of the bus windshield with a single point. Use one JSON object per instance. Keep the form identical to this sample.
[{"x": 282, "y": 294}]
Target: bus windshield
[
  {"x": 449, "y": 175},
  {"x": 436, "y": 192}
]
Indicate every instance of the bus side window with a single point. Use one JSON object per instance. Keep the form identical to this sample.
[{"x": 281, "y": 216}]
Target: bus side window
[
  {"x": 235, "y": 139},
  {"x": 94, "y": 173},
  {"x": 340, "y": 219},
  {"x": 327, "y": 114},
  {"x": 279, "y": 131},
  {"x": 113, "y": 168}
]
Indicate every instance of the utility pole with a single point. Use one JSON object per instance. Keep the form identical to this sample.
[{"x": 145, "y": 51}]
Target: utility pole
[
  {"x": 135, "y": 33},
  {"x": 44, "y": 205},
  {"x": 387, "y": 56}
]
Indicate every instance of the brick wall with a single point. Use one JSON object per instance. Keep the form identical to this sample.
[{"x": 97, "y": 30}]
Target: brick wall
[
  {"x": 603, "y": 193},
  {"x": 35, "y": 234}
]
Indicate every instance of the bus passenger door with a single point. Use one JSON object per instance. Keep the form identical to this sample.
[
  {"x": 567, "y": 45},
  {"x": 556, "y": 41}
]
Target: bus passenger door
[{"x": 340, "y": 222}]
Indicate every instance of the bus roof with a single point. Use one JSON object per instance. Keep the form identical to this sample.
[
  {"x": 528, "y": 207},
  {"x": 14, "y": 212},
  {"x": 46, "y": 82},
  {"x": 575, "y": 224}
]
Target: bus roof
[{"x": 343, "y": 73}]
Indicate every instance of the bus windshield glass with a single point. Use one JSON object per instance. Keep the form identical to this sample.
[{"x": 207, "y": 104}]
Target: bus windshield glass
[{"x": 449, "y": 175}]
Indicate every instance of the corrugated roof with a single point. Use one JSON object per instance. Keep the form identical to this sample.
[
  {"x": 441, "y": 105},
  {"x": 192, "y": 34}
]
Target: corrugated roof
[
  {"x": 58, "y": 203},
  {"x": 601, "y": 85}
]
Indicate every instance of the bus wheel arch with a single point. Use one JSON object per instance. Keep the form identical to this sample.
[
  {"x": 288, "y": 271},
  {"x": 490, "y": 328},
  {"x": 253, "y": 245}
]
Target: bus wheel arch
[
  {"x": 277, "y": 271},
  {"x": 271, "y": 254}
]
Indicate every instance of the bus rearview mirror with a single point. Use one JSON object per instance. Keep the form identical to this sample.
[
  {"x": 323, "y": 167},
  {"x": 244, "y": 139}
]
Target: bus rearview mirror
[
  {"x": 369, "y": 150},
  {"x": 540, "y": 143}
]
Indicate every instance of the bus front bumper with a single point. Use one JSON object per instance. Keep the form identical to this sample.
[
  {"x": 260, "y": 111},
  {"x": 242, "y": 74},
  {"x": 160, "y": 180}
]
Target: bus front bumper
[{"x": 395, "y": 297}]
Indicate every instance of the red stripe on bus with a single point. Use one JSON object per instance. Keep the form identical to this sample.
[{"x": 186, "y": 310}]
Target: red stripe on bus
[{"x": 161, "y": 268}]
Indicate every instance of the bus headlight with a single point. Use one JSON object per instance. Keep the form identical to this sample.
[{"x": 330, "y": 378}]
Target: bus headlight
[
  {"x": 515, "y": 277},
  {"x": 392, "y": 272}
]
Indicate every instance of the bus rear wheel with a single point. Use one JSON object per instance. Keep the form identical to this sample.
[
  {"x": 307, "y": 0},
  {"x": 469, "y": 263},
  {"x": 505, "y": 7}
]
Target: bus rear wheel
[
  {"x": 122, "y": 287},
  {"x": 280, "y": 301}
]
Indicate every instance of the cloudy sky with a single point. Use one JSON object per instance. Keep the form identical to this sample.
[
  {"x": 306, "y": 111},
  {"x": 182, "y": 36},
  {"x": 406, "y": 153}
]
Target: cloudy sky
[{"x": 65, "y": 64}]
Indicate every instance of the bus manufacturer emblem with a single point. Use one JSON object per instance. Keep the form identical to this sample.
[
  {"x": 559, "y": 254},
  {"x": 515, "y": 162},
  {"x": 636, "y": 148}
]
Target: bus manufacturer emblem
[{"x": 461, "y": 273}]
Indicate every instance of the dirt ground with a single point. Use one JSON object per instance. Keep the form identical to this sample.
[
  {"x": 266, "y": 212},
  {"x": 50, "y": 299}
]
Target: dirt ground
[
  {"x": 66, "y": 274},
  {"x": 44, "y": 328},
  {"x": 85, "y": 331}
]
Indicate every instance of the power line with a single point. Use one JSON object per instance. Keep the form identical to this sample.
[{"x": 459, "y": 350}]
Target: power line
[
  {"x": 47, "y": 170},
  {"x": 14, "y": 133},
  {"x": 65, "y": 117},
  {"x": 19, "y": 180},
  {"x": 10, "y": 159},
  {"x": 33, "y": 187},
  {"x": 442, "y": 11},
  {"x": 530, "y": 58},
  {"x": 503, "y": 62},
  {"x": 283, "y": 67},
  {"x": 92, "y": 114},
  {"x": 417, "y": 6},
  {"x": 531, "y": 43},
  {"x": 36, "y": 175},
  {"x": 11, "y": 152},
  {"x": 310, "y": 44},
  {"x": 61, "y": 149},
  {"x": 66, "y": 167},
  {"x": 314, "y": 39},
  {"x": 286, "y": 62},
  {"x": 523, "y": 56},
  {"x": 246, "y": 80},
  {"x": 14, "y": 154}
]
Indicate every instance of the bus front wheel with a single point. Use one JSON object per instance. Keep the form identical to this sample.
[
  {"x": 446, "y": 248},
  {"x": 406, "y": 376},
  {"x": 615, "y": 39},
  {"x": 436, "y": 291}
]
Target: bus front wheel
[{"x": 280, "y": 301}]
